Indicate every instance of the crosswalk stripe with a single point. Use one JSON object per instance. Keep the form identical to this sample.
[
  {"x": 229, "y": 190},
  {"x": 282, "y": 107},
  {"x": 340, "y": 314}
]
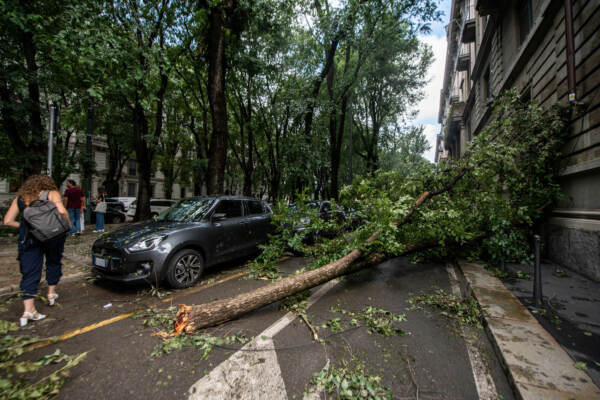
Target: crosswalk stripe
[{"x": 252, "y": 374}]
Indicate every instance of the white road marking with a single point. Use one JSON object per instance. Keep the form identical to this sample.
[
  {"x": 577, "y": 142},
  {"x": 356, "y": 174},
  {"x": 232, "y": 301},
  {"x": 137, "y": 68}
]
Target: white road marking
[
  {"x": 252, "y": 374},
  {"x": 486, "y": 389}
]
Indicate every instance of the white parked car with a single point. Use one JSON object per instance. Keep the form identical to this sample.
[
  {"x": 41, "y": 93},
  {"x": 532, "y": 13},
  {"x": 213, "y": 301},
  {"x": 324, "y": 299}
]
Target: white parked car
[{"x": 157, "y": 206}]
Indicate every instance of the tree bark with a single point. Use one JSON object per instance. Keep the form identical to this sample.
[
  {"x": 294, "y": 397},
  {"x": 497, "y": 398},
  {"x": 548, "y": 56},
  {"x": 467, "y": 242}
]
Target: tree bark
[
  {"x": 191, "y": 318},
  {"x": 217, "y": 69}
]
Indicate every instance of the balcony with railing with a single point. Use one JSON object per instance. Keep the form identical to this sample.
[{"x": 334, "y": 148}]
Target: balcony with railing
[{"x": 464, "y": 57}]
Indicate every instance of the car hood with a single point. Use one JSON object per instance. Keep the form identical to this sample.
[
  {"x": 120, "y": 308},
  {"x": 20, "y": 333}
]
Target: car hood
[{"x": 132, "y": 233}]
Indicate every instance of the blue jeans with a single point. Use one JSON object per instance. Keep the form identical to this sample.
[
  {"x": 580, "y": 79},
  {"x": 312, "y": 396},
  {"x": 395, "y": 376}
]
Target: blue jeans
[
  {"x": 99, "y": 221},
  {"x": 74, "y": 216}
]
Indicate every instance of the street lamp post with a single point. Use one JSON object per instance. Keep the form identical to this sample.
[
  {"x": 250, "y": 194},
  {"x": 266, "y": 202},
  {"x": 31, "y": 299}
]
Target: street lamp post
[
  {"x": 52, "y": 129},
  {"x": 87, "y": 186}
]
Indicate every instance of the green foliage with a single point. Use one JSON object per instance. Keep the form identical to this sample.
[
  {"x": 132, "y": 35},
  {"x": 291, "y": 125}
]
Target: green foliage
[
  {"x": 6, "y": 326},
  {"x": 375, "y": 319},
  {"x": 580, "y": 365},
  {"x": 465, "y": 310},
  {"x": 349, "y": 381},
  {"x": 496, "y": 192},
  {"x": 484, "y": 205},
  {"x": 13, "y": 379},
  {"x": 296, "y": 303},
  {"x": 507, "y": 275},
  {"x": 204, "y": 342},
  {"x": 156, "y": 317},
  {"x": 560, "y": 273}
]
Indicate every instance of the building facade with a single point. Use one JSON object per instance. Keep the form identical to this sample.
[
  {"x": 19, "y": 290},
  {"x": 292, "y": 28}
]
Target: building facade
[
  {"x": 549, "y": 50},
  {"x": 128, "y": 184}
]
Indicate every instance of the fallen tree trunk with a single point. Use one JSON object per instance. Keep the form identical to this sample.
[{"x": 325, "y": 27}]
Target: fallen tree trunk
[{"x": 190, "y": 318}]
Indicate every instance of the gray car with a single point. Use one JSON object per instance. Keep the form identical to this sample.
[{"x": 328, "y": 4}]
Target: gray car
[{"x": 177, "y": 246}]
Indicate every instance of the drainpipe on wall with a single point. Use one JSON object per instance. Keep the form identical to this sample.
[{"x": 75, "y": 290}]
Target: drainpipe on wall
[{"x": 570, "y": 50}]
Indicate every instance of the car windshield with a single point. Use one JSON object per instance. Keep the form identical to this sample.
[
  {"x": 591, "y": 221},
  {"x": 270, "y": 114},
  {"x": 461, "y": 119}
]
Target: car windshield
[{"x": 186, "y": 210}]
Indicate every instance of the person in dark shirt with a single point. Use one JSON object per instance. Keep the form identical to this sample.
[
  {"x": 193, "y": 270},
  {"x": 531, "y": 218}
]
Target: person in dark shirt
[{"x": 74, "y": 203}]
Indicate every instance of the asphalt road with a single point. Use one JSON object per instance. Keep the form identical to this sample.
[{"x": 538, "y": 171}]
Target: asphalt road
[{"x": 432, "y": 361}]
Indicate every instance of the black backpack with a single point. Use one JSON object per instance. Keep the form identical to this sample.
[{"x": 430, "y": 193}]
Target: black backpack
[{"x": 44, "y": 220}]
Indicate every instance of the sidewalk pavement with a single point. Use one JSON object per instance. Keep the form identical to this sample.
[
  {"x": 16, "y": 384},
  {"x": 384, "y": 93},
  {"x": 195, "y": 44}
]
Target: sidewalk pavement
[
  {"x": 76, "y": 260},
  {"x": 536, "y": 364}
]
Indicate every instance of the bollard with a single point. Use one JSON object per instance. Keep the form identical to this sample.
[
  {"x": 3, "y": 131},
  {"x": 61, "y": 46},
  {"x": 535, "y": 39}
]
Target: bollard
[{"x": 537, "y": 274}]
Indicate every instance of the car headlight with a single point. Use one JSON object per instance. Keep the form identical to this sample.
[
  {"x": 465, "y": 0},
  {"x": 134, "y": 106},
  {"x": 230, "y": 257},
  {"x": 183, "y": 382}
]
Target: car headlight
[{"x": 146, "y": 244}]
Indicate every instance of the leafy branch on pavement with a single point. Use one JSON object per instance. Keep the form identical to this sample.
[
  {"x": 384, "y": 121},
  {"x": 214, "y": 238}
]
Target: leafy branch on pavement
[
  {"x": 204, "y": 342},
  {"x": 465, "y": 310},
  {"x": 163, "y": 319},
  {"x": 349, "y": 381},
  {"x": 12, "y": 383},
  {"x": 375, "y": 319},
  {"x": 298, "y": 304}
]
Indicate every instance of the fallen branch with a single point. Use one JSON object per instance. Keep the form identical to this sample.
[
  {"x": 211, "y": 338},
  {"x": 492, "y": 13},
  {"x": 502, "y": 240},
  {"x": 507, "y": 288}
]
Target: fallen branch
[{"x": 191, "y": 318}]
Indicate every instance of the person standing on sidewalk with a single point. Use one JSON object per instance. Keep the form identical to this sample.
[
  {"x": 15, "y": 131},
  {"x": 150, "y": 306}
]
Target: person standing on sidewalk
[
  {"x": 75, "y": 205},
  {"x": 100, "y": 209},
  {"x": 32, "y": 251}
]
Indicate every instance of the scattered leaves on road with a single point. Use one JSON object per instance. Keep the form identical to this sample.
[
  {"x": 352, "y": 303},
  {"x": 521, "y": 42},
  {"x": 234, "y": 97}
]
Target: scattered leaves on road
[
  {"x": 375, "y": 319},
  {"x": 14, "y": 384},
  {"x": 204, "y": 342},
  {"x": 560, "y": 273},
  {"x": 580, "y": 365},
  {"x": 465, "y": 310},
  {"x": 507, "y": 275},
  {"x": 349, "y": 381}
]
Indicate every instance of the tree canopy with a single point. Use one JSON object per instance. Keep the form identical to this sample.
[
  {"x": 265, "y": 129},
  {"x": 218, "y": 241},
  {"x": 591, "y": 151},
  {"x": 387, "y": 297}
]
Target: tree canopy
[{"x": 242, "y": 96}]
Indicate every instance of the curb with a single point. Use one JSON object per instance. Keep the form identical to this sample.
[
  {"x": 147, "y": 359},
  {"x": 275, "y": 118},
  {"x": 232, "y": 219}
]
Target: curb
[{"x": 536, "y": 365}]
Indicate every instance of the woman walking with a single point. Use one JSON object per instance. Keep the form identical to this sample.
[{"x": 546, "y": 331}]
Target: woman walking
[
  {"x": 100, "y": 209},
  {"x": 32, "y": 251}
]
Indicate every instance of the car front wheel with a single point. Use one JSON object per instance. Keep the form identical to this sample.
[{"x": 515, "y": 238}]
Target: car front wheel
[{"x": 185, "y": 268}]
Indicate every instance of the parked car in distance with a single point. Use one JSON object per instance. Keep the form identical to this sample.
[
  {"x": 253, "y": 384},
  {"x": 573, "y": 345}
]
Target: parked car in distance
[
  {"x": 126, "y": 201},
  {"x": 157, "y": 206},
  {"x": 183, "y": 240},
  {"x": 115, "y": 212},
  {"x": 323, "y": 211}
]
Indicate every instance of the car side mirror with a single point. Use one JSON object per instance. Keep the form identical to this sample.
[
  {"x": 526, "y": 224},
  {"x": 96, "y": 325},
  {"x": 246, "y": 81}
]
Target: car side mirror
[{"x": 218, "y": 217}]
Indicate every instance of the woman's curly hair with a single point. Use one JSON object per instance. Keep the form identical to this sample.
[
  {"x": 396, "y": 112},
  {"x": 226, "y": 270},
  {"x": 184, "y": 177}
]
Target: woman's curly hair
[{"x": 34, "y": 185}]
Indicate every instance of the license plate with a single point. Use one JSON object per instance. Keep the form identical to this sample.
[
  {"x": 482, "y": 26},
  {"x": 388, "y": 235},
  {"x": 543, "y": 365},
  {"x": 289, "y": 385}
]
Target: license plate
[{"x": 99, "y": 262}]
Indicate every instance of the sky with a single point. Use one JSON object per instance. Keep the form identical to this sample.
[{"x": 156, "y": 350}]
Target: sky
[{"x": 428, "y": 108}]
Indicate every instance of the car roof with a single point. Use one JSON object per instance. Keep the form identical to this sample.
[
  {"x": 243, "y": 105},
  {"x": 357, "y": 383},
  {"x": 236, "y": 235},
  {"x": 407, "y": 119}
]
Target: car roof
[{"x": 224, "y": 197}]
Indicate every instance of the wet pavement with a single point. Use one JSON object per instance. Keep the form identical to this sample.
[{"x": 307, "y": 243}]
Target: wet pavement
[
  {"x": 431, "y": 361},
  {"x": 570, "y": 313}
]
